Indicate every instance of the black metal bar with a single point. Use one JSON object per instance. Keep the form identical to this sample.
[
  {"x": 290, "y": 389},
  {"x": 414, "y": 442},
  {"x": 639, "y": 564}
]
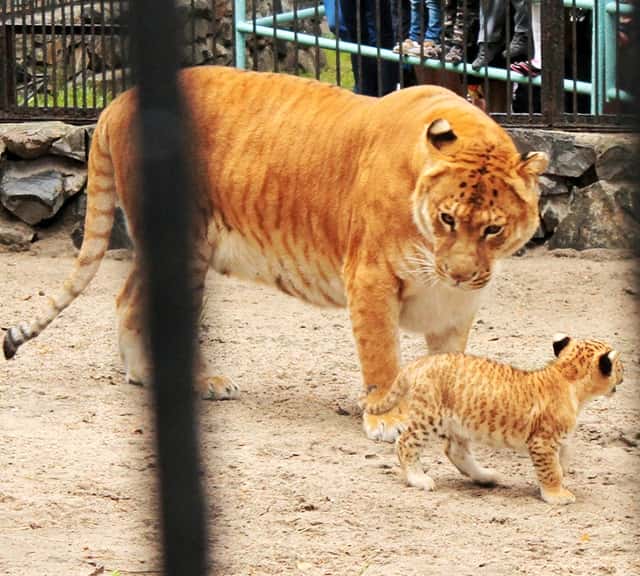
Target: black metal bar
[
  {"x": 400, "y": 38},
  {"x": 192, "y": 21},
  {"x": 169, "y": 304},
  {"x": 316, "y": 24},
  {"x": 378, "y": 19},
  {"x": 4, "y": 60},
  {"x": 254, "y": 44},
  {"x": 574, "y": 60},
  {"x": 93, "y": 57},
  {"x": 112, "y": 52},
  {"x": 359, "y": 40},
  {"x": 507, "y": 43},
  {"x": 83, "y": 59},
  {"x": 295, "y": 37},
  {"x": 25, "y": 69},
  {"x": 74, "y": 64},
  {"x": 336, "y": 11},
  {"x": 45, "y": 55},
  {"x": 274, "y": 39},
  {"x": 465, "y": 40},
  {"x": 552, "y": 61}
]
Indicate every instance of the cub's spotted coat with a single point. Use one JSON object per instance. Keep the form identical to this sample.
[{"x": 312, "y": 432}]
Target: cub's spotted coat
[{"x": 462, "y": 399}]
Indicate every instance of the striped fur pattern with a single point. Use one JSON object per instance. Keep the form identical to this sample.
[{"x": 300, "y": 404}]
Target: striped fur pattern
[
  {"x": 397, "y": 208},
  {"x": 463, "y": 399}
]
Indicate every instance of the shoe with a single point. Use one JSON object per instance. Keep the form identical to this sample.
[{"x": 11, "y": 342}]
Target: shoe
[
  {"x": 518, "y": 48},
  {"x": 408, "y": 47},
  {"x": 487, "y": 51},
  {"x": 431, "y": 49},
  {"x": 526, "y": 68},
  {"x": 454, "y": 54}
]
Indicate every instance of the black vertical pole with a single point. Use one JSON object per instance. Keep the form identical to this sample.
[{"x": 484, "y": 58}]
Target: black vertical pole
[
  {"x": 552, "y": 20},
  {"x": 167, "y": 201}
]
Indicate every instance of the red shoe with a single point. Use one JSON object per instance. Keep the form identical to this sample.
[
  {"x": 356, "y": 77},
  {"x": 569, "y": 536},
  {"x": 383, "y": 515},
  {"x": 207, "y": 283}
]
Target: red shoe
[{"x": 526, "y": 68}]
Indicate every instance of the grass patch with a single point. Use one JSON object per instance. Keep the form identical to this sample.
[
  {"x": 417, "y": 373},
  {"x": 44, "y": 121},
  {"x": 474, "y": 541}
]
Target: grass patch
[
  {"x": 330, "y": 72},
  {"x": 94, "y": 99}
]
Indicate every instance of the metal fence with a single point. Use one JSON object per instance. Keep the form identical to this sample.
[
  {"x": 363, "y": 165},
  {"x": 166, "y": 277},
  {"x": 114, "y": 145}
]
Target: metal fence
[{"x": 554, "y": 63}]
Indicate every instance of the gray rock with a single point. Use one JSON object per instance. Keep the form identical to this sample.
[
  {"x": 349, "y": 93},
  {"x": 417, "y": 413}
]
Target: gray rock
[
  {"x": 71, "y": 145},
  {"x": 553, "y": 210},
  {"x": 616, "y": 158},
  {"x": 597, "y": 219},
  {"x": 567, "y": 157},
  {"x": 35, "y": 191},
  {"x": 32, "y": 139},
  {"x": 15, "y": 235},
  {"x": 550, "y": 186}
]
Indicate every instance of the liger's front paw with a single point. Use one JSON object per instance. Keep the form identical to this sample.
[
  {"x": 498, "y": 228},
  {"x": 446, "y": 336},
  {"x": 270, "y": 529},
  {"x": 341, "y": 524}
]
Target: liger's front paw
[
  {"x": 388, "y": 426},
  {"x": 558, "y": 496},
  {"x": 219, "y": 388}
]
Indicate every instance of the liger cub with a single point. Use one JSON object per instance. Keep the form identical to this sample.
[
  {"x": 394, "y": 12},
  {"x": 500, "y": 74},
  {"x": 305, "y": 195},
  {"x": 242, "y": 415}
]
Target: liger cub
[
  {"x": 462, "y": 399},
  {"x": 397, "y": 208}
]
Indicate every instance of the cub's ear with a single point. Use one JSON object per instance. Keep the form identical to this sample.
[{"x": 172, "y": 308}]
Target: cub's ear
[
  {"x": 440, "y": 133},
  {"x": 533, "y": 163},
  {"x": 560, "y": 342},
  {"x": 605, "y": 362}
]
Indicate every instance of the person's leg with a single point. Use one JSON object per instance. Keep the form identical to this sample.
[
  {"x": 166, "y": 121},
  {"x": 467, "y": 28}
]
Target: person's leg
[
  {"x": 519, "y": 46},
  {"x": 491, "y": 33}
]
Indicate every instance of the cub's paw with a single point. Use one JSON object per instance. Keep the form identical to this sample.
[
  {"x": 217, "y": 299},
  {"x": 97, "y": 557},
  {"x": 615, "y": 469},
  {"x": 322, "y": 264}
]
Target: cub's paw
[
  {"x": 419, "y": 479},
  {"x": 219, "y": 388},
  {"x": 558, "y": 496},
  {"x": 388, "y": 426}
]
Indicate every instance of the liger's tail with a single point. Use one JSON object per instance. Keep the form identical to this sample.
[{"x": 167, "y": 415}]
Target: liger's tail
[
  {"x": 396, "y": 392},
  {"x": 101, "y": 201}
]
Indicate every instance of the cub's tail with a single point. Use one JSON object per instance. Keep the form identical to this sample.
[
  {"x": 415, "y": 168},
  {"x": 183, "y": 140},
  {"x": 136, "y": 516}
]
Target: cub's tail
[
  {"x": 396, "y": 392},
  {"x": 101, "y": 201}
]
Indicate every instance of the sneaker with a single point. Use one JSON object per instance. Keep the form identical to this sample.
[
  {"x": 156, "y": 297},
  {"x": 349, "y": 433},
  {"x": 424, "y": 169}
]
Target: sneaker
[
  {"x": 454, "y": 54},
  {"x": 518, "y": 47},
  {"x": 431, "y": 49},
  {"x": 526, "y": 68},
  {"x": 408, "y": 47},
  {"x": 487, "y": 51}
]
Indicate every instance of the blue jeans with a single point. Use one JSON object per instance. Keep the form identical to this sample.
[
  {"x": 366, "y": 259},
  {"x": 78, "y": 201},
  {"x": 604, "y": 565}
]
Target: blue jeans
[
  {"x": 367, "y": 83},
  {"x": 432, "y": 25}
]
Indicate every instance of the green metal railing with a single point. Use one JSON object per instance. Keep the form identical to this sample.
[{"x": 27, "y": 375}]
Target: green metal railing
[{"x": 602, "y": 87}]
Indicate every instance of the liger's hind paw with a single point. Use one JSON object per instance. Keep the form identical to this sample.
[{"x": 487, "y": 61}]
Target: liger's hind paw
[
  {"x": 219, "y": 388},
  {"x": 386, "y": 427}
]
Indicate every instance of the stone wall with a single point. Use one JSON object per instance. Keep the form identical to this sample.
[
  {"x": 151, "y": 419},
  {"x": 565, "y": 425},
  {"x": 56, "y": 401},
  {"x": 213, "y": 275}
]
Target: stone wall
[{"x": 590, "y": 196}]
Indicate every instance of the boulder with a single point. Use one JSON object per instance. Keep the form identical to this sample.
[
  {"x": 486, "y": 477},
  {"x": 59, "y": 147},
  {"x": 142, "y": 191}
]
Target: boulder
[
  {"x": 600, "y": 216},
  {"x": 15, "y": 235},
  {"x": 568, "y": 157},
  {"x": 34, "y": 191},
  {"x": 32, "y": 139},
  {"x": 71, "y": 145},
  {"x": 552, "y": 186},
  {"x": 553, "y": 210}
]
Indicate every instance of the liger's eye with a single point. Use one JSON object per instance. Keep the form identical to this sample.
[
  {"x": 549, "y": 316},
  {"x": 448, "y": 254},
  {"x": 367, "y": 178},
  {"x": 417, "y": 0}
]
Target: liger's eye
[
  {"x": 448, "y": 219},
  {"x": 492, "y": 230}
]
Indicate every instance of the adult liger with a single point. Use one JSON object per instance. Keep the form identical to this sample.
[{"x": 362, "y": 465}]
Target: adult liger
[{"x": 397, "y": 208}]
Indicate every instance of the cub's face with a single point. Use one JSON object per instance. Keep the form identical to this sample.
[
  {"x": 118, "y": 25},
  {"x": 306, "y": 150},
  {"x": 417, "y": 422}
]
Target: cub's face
[
  {"x": 595, "y": 361},
  {"x": 475, "y": 209}
]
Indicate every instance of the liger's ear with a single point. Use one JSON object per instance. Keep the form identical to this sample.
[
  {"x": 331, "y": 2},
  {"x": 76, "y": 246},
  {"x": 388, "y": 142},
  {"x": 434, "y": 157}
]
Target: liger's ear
[
  {"x": 533, "y": 163},
  {"x": 560, "y": 342},
  {"x": 605, "y": 363},
  {"x": 440, "y": 133}
]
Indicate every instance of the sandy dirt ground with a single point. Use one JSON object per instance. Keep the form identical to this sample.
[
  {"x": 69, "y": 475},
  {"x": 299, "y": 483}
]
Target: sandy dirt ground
[{"x": 293, "y": 485}]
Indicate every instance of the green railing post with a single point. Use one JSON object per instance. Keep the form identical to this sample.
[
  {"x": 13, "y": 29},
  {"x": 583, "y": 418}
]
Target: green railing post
[{"x": 240, "y": 15}]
